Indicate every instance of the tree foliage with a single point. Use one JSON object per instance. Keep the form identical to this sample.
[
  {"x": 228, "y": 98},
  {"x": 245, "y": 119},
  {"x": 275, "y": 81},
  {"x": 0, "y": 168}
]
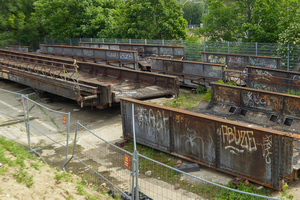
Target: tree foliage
[
  {"x": 77, "y": 18},
  {"x": 249, "y": 20},
  {"x": 17, "y": 21},
  {"x": 193, "y": 12},
  {"x": 153, "y": 19}
]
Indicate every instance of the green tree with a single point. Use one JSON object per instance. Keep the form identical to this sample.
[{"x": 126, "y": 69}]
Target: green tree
[
  {"x": 17, "y": 21},
  {"x": 77, "y": 18},
  {"x": 248, "y": 20},
  {"x": 153, "y": 19},
  {"x": 193, "y": 12}
]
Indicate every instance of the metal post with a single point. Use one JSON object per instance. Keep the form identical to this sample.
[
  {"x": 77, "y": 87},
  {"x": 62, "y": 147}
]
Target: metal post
[
  {"x": 135, "y": 160},
  {"x": 67, "y": 145},
  {"x": 28, "y": 126},
  {"x": 145, "y": 41},
  {"x": 204, "y": 45},
  {"x": 228, "y": 47},
  {"x": 163, "y": 42},
  {"x": 103, "y": 40},
  {"x": 129, "y": 41},
  {"x": 91, "y": 39},
  {"x": 288, "y": 57},
  {"x": 116, "y": 40},
  {"x": 79, "y": 39},
  {"x": 181, "y": 42},
  {"x": 70, "y": 42},
  {"x": 255, "y": 48},
  {"x": 44, "y": 40}
]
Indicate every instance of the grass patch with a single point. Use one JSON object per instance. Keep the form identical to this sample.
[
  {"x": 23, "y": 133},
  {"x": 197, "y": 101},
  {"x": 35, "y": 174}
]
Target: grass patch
[
  {"x": 68, "y": 177},
  {"x": 23, "y": 177},
  {"x": 171, "y": 176},
  {"x": 35, "y": 165},
  {"x": 185, "y": 101},
  {"x": 291, "y": 92}
]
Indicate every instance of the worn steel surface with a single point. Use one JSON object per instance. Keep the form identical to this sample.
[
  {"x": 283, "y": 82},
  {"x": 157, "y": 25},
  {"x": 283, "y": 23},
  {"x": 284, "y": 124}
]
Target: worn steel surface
[
  {"x": 143, "y": 49},
  {"x": 258, "y": 154},
  {"x": 239, "y": 62},
  {"x": 51, "y": 74},
  {"x": 269, "y": 109},
  {"x": 18, "y": 48},
  {"x": 190, "y": 73},
  {"x": 119, "y": 58},
  {"x": 273, "y": 80}
]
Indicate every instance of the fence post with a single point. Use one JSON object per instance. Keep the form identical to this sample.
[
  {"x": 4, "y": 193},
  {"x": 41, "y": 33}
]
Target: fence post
[
  {"x": 145, "y": 41},
  {"x": 288, "y": 57},
  {"x": 70, "y": 42},
  {"x": 27, "y": 123},
  {"x": 228, "y": 47},
  {"x": 163, "y": 42},
  {"x": 129, "y": 41},
  {"x": 67, "y": 145},
  {"x": 204, "y": 46},
  {"x": 182, "y": 43},
  {"x": 116, "y": 40},
  {"x": 255, "y": 48},
  {"x": 91, "y": 39}
]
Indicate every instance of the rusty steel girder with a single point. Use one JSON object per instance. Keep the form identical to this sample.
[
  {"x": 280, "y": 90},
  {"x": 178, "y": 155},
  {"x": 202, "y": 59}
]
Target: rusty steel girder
[
  {"x": 190, "y": 73},
  {"x": 144, "y": 50},
  {"x": 258, "y": 154},
  {"x": 111, "y": 83},
  {"x": 239, "y": 61},
  {"x": 119, "y": 58},
  {"x": 268, "y": 109}
]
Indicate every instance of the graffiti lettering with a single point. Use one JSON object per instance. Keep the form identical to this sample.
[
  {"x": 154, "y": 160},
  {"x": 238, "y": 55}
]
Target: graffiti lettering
[
  {"x": 266, "y": 146},
  {"x": 237, "y": 141},
  {"x": 111, "y": 54},
  {"x": 262, "y": 101},
  {"x": 262, "y": 75},
  {"x": 87, "y": 52},
  {"x": 217, "y": 59},
  {"x": 126, "y": 56},
  {"x": 263, "y": 62},
  {"x": 193, "y": 142},
  {"x": 150, "y": 119}
]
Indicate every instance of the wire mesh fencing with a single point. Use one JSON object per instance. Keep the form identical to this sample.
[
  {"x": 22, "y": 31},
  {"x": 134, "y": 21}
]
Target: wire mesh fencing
[
  {"x": 12, "y": 116},
  {"x": 100, "y": 163},
  {"x": 288, "y": 52},
  {"x": 49, "y": 132}
]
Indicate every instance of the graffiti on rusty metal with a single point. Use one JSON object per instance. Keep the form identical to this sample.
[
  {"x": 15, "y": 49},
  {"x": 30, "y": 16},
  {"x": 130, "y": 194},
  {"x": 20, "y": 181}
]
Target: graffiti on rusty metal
[
  {"x": 126, "y": 56},
  {"x": 292, "y": 106},
  {"x": 266, "y": 148},
  {"x": 263, "y": 62},
  {"x": 192, "y": 142},
  {"x": 217, "y": 59},
  {"x": 257, "y": 100},
  {"x": 262, "y": 74},
  {"x": 112, "y": 54},
  {"x": 165, "y": 51},
  {"x": 237, "y": 61},
  {"x": 87, "y": 52},
  {"x": 226, "y": 94},
  {"x": 150, "y": 119},
  {"x": 50, "y": 49},
  {"x": 237, "y": 141}
]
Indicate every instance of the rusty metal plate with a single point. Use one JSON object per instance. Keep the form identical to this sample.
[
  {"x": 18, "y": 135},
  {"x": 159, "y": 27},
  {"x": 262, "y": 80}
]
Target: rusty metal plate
[
  {"x": 261, "y": 155},
  {"x": 239, "y": 61}
]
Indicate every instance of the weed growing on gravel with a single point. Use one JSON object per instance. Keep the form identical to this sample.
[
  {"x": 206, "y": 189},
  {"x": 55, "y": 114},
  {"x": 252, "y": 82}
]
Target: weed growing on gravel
[
  {"x": 69, "y": 197},
  {"x": 186, "y": 101},
  {"x": 23, "y": 176},
  {"x": 35, "y": 165},
  {"x": 65, "y": 176}
]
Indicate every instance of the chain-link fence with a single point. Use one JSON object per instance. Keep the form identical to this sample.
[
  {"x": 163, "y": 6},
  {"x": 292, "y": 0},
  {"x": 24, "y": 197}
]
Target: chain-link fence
[{"x": 289, "y": 53}]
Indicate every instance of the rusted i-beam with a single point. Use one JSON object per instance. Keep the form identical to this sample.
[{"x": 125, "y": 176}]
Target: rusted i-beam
[
  {"x": 258, "y": 154},
  {"x": 239, "y": 61}
]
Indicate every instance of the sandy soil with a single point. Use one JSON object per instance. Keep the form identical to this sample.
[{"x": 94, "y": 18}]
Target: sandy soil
[{"x": 45, "y": 185}]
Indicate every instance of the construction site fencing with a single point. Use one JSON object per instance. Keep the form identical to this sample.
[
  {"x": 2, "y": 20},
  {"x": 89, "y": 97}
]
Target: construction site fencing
[
  {"x": 98, "y": 161},
  {"x": 35, "y": 126},
  {"x": 289, "y": 53}
]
